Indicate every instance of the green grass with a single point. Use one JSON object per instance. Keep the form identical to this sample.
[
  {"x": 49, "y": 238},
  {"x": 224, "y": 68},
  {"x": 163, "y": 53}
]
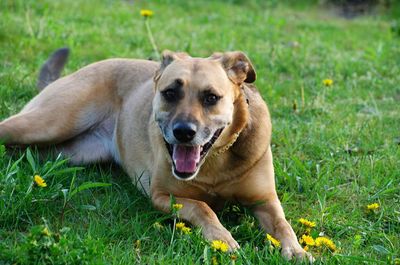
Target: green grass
[{"x": 336, "y": 153}]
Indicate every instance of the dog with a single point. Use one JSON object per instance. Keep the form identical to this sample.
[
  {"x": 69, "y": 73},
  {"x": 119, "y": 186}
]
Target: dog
[{"x": 193, "y": 128}]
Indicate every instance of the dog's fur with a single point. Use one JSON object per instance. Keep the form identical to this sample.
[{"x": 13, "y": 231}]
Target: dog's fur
[{"x": 154, "y": 119}]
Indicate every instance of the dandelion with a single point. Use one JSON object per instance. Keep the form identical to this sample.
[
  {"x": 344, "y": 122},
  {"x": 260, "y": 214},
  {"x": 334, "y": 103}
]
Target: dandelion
[
  {"x": 157, "y": 225},
  {"x": 307, "y": 223},
  {"x": 373, "y": 206},
  {"x": 186, "y": 230},
  {"x": 305, "y": 248},
  {"x": 307, "y": 240},
  {"x": 146, "y": 13},
  {"x": 180, "y": 225},
  {"x": 358, "y": 240},
  {"x": 275, "y": 242},
  {"x": 46, "y": 232},
  {"x": 136, "y": 245},
  {"x": 327, "y": 82},
  {"x": 219, "y": 245},
  {"x": 177, "y": 206},
  {"x": 39, "y": 181},
  {"x": 324, "y": 241}
]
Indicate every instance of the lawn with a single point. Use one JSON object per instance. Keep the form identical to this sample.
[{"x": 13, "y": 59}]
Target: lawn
[{"x": 336, "y": 148}]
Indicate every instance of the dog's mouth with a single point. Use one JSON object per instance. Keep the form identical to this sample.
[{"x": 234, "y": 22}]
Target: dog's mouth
[{"x": 186, "y": 159}]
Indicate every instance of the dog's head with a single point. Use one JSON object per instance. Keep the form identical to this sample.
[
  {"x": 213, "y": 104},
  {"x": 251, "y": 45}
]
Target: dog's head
[{"x": 194, "y": 102}]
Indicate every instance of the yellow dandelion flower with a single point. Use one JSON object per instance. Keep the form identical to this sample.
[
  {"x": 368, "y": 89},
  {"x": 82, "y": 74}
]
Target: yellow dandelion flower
[
  {"x": 46, "y": 232},
  {"x": 324, "y": 241},
  {"x": 180, "y": 225},
  {"x": 305, "y": 248},
  {"x": 146, "y": 13},
  {"x": 186, "y": 230},
  {"x": 372, "y": 207},
  {"x": 177, "y": 206},
  {"x": 137, "y": 244},
  {"x": 327, "y": 82},
  {"x": 39, "y": 181},
  {"x": 307, "y": 223},
  {"x": 219, "y": 245},
  {"x": 157, "y": 225},
  {"x": 308, "y": 240},
  {"x": 275, "y": 242}
]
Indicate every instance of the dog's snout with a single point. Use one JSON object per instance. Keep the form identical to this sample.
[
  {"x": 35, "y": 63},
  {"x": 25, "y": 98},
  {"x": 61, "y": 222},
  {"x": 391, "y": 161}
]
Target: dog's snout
[{"x": 184, "y": 132}]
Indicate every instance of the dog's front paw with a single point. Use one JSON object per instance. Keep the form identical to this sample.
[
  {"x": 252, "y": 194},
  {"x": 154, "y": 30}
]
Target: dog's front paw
[
  {"x": 297, "y": 253},
  {"x": 220, "y": 233}
]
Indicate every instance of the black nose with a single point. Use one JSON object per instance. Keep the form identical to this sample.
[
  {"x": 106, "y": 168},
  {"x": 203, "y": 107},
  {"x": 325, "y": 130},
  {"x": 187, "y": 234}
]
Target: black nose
[{"x": 184, "y": 132}]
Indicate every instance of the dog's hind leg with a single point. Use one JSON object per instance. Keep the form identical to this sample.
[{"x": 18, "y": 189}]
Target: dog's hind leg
[
  {"x": 52, "y": 123},
  {"x": 93, "y": 145},
  {"x": 84, "y": 135},
  {"x": 82, "y": 132},
  {"x": 64, "y": 109},
  {"x": 33, "y": 127}
]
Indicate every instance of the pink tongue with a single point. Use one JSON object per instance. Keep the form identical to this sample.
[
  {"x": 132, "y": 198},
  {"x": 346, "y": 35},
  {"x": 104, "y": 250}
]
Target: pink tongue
[{"x": 186, "y": 158}]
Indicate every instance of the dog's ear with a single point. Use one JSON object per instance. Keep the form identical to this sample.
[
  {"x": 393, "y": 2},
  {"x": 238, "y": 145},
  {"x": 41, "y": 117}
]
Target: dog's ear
[
  {"x": 167, "y": 57},
  {"x": 237, "y": 66}
]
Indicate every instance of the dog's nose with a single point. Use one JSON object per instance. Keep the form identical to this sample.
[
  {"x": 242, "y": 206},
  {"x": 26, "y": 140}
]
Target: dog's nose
[{"x": 184, "y": 132}]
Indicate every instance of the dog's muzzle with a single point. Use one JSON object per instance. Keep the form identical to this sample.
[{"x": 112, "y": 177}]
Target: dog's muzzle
[{"x": 187, "y": 159}]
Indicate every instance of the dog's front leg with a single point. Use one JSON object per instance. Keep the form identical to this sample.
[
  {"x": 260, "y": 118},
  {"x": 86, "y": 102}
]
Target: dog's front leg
[
  {"x": 199, "y": 214},
  {"x": 258, "y": 188},
  {"x": 271, "y": 216}
]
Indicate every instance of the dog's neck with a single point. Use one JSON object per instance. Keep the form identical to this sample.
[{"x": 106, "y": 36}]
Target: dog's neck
[{"x": 240, "y": 118}]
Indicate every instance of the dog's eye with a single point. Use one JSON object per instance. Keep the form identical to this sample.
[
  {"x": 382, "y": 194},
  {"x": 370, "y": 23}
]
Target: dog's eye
[
  {"x": 170, "y": 95},
  {"x": 211, "y": 99}
]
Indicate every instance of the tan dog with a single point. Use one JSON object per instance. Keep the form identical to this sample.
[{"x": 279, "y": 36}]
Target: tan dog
[{"x": 191, "y": 127}]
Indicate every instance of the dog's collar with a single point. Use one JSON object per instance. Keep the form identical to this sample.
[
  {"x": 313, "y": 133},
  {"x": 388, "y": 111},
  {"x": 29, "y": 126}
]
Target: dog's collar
[{"x": 226, "y": 147}]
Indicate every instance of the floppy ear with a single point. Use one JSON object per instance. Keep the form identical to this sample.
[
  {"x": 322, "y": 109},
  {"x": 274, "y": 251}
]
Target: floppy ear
[
  {"x": 167, "y": 57},
  {"x": 237, "y": 66}
]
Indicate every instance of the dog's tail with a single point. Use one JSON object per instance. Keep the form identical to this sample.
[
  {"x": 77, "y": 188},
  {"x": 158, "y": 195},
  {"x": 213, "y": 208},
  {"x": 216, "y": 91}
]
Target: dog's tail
[{"x": 51, "y": 70}]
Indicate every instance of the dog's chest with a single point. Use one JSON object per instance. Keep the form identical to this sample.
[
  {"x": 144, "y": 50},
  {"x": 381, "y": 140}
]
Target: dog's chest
[
  {"x": 142, "y": 181},
  {"x": 213, "y": 189}
]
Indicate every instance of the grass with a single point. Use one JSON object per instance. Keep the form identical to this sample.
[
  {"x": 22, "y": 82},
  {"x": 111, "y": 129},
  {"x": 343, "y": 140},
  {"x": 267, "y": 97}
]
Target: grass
[{"x": 336, "y": 148}]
